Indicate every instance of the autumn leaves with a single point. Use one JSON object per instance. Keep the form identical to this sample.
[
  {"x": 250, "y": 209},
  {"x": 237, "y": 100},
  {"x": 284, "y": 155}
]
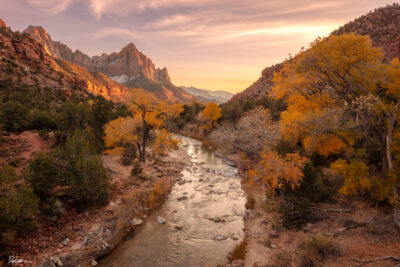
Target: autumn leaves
[{"x": 148, "y": 114}]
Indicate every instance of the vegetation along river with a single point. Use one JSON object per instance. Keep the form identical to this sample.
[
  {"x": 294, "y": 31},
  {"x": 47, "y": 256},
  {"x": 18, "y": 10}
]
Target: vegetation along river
[{"x": 203, "y": 214}]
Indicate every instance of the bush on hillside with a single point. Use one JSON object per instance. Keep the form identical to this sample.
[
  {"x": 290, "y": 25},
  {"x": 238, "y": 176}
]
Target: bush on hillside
[
  {"x": 316, "y": 248},
  {"x": 128, "y": 154},
  {"x": 295, "y": 211},
  {"x": 43, "y": 175},
  {"x": 18, "y": 205}
]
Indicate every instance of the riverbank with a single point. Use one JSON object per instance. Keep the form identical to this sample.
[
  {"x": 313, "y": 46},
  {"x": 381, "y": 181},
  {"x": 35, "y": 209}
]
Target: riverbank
[
  {"x": 203, "y": 218},
  {"x": 80, "y": 239},
  {"x": 354, "y": 229}
]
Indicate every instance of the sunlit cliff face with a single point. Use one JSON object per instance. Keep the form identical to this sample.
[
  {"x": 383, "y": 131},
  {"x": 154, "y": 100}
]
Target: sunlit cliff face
[{"x": 208, "y": 44}]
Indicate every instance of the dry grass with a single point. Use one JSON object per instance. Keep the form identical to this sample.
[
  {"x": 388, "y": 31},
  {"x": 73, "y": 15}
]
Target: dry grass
[{"x": 239, "y": 252}]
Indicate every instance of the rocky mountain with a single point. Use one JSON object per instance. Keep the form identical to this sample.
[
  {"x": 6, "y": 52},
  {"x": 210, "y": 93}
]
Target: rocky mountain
[
  {"x": 382, "y": 25},
  {"x": 28, "y": 62},
  {"x": 207, "y": 96},
  {"x": 3, "y": 24},
  {"x": 129, "y": 66}
]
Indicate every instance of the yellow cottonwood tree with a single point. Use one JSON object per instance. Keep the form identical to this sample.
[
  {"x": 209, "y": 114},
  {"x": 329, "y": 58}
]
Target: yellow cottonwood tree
[
  {"x": 338, "y": 91},
  {"x": 211, "y": 114},
  {"x": 149, "y": 113},
  {"x": 276, "y": 171}
]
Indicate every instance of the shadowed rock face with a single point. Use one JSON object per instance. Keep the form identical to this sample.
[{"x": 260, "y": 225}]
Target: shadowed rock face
[
  {"x": 129, "y": 66},
  {"x": 382, "y": 25}
]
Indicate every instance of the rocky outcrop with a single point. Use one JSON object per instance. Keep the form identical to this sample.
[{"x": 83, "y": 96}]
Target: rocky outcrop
[
  {"x": 261, "y": 87},
  {"x": 36, "y": 54},
  {"x": 3, "y": 24},
  {"x": 129, "y": 66}
]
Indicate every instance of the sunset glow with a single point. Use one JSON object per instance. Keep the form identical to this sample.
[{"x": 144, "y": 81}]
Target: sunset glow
[{"x": 216, "y": 45}]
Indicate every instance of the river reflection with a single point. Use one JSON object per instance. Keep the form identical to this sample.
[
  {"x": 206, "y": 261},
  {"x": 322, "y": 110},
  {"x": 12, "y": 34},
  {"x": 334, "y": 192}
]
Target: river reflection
[{"x": 214, "y": 206}]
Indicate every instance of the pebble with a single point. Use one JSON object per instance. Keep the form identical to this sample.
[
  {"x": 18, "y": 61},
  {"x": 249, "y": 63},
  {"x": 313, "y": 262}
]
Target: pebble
[
  {"x": 65, "y": 241},
  {"x": 160, "y": 220},
  {"x": 182, "y": 198},
  {"x": 136, "y": 222},
  {"x": 219, "y": 237}
]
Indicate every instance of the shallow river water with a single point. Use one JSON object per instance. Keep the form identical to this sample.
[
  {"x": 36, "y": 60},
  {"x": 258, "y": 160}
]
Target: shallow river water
[{"x": 214, "y": 207}]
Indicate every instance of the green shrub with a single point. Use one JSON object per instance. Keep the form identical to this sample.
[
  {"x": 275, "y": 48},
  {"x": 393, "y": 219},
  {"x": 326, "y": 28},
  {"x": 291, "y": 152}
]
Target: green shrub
[
  {"x": 44, "y": 134},
  {"x": 76, "y": 167},
  {"x": 295, "y": 211},
  {"x": 316, "y": 248},
  {"x": 89, "y": 182},
  {"x": 316, "y": 187},
  {"x": 43, "y": 175},
  {"x": 83, "y": 172},
  {"x": 136, "y": 170},
  {"x": 129, "y": 154},
  {"x": 18, "y": 206}
]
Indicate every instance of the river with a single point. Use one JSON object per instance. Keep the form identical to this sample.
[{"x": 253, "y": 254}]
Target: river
[{"x": 211, "y": 205}]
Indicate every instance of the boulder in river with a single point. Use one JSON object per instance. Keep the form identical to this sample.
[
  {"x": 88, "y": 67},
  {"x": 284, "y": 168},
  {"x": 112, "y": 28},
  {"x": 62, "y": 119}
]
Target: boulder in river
[
  {"x": 219, "y": 237},
  {"x": 160, "y": 220},
  {"x": 136, "y": 222},
  {"x": 182, "y": 198},
  {"x": 216, "y": 219}
]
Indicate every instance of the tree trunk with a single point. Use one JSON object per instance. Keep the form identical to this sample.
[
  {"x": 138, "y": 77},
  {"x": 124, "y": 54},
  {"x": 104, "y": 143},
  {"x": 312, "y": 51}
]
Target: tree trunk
[
  {"x": 396, "y": 204},
  {"x": 144, "y": 142}
]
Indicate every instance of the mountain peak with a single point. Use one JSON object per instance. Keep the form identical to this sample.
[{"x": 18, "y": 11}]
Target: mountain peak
[
  {"x": 129, "y": 47},
  {"x": 38, "y": 31},
  {"x": 3, "y": 24}
]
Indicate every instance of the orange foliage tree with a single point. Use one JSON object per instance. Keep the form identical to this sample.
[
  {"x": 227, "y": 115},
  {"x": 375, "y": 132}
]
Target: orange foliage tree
[
  {"x": 211, "y": 115},
  {"x": 149, "y": 113},
  {"x": 338, "y": 91},
  {"x": 277, "y": 171}
]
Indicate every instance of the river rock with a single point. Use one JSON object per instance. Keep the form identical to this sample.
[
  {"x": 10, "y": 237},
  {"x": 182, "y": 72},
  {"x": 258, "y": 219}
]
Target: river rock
[
  {"x": 160, "y": 220},
  {"x": 216, "y": 219},
  {"x": 136, "y": 222},
  {"x": 272, "y": 246},
  {"x": 93, "y": 263},
  {"x": 178, "y": 227},
  {"x": 182, "y": 198},
  {"x": 56, "y": 260},
  {"x": 220, "y": 237},
  {"x": 181, "y": 182},
  {"x": 65, "y": 241},
  {"x": 234, "y": 237}
]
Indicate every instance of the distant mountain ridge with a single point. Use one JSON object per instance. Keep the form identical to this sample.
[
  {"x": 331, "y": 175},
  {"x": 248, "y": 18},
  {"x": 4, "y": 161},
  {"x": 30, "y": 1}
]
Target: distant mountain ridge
[
  {"x": 206, "y": 96},
  {"x": 382, "y": 25},
  {"x": 129, "y": 66},
  {"x": 29, "y": 61}
]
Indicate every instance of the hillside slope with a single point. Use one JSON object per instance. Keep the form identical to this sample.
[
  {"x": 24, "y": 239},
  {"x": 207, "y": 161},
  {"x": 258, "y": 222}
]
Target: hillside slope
[
  {"x": 25, "y": 59},
  {"x": 382, "y": 25},
  {"x": 206, "y": 96}
]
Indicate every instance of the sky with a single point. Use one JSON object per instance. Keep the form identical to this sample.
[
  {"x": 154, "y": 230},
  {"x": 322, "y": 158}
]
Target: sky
[{"x": 210, "y": 44}]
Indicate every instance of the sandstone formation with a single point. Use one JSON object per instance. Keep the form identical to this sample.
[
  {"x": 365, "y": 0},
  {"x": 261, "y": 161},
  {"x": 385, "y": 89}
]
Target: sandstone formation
[
  {"x": 32, "y": 56},
  {"x": 129, "y": 66}
]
